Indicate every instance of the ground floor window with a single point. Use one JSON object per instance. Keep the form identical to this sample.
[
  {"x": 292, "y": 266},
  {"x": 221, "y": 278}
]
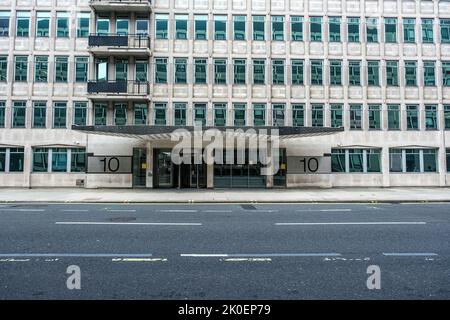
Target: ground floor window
[
  {"x": 11, "y": 159},
  {"x": 356, "y": 160},
  {"x": 412, "y": 160},
  {"x": 448, "y": 160},
  {"x": 59, "y": 160}
]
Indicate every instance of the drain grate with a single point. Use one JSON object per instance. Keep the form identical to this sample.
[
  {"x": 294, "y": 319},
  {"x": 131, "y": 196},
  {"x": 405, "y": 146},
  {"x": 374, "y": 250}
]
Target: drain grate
[
  {"x": 248, "y": 207},
  {"x": 122, "y": 219}
]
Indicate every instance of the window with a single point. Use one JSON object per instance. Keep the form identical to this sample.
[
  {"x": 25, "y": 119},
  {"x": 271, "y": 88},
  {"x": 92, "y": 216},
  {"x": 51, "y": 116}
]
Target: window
[
  {"x": 393, "y": 117},
  {"x": 61, "y": 68},
  {"x": 392, "y": 73},
  {"x": 239, "y": 114},
  {"x": 140, "y": 113},
  {"x": 317, "y": 115},
  {"x": 100, "y": 110},
  {"x": 220, "y": 71},
  {"x": 315, "y": 25},
  {"x": 334, "y": 24},
  {"x": 220, "y": 114},
  {"x": 239, "y": 71},
  {"x": 121, "y": 66},
  {"x": 429, "y": 160},
  {"x": 277, "y": 28},
  {"x": 102, "y": 26},
  {"x": 122, "y": 26},
  {"x": 354, "y": 73},
  {"x": 373, "y": 73},
  {"x": 277, "y": 71},
  {"x": 59, "y": 159},
  {"x": 101, "y": 69},
  {"x": 448, "y": 159},
  {"x": 445, "y": 30},
  {"x": 239, "y": 27},
  {"x": 427, "y": 31},
  {"x": 374, "y": 117},
  {"x": 220, "y": 27},
  {"x": 298, "y": 115},
  {"x": 316, "y": 72},
  {"x": 337, "y": 115},
  {"x": 3, "y": 68},
  {"x": 161, "y": 70},
  {"x": 429, "y": 74},
  {"x": 413, "y": 160},
  {"x": 15, "y": 157},
  {"x": 336, "y": 72},
  {"x": 356, "y": 160},
  {"x": 410, "y": 73},
  {"x": 353, "y": 29},
  {"x": 19, "y": 114},
  {"x": 141, "y": 70},
  {"x": 120, "y": 114},
  {"x": 259, "y": 71},
  {"x": 200, "y": 114},
  {"x": 278, "y": 115},
  {"x": 372, "y": 30},
  {"x": 79, "y": 113},
  {"x": 447, "y": 116},
  {"x": 142, "y": 27},
  {"x": 83, "y": 24},
  {"x": 200, "y": 71},
  {"x": 181, "y": 70},
  {"x": 40, "y": 159},
  {"x": 77, "y": 160},
  {"x": 161, "y": 26},
  {"x": 39, "y": 114},
  {"x": 181, "y": 29},
  {"x": 412, "y": 117},
  {"x": 390, "y": 30},
  {"x": 160, "y": 114},
  {"x": 21, "y": 68},
  {"x": 62, "y": 24},
  {"x": 180, "y": 114},
  {"x": 258, "y": 28},
  {"x": 59, "y": 114},
  {"x": 409, "y": 34},
  {"x": 2, "y": 114},
  {"x": 446, "y": 73},
  {"x": 23, "y": 24},
  {"x": 40, "y": 68},
  {"x": 42, "y": 24},
  {"x": 431, "y": 121},
  {"x": 355, "y": 117},
  {"x": 259, "y": 114},
  {"x": 4, "y": 23},
  {"x": 81, "y": 69},
  {"x": 200, "y": 25},
  {"x": 296, "y": 28},
  {"x": 297, "y": 72}
]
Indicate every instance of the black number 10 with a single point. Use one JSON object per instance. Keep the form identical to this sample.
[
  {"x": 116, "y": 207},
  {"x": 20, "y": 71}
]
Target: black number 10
[
  {"x": 310, "y": 165},
  {"x": 111, "y": 165}
]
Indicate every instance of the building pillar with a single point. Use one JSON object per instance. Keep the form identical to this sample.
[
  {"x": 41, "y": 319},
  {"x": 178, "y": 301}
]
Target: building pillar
[
  {"x": 149, "y": 169},
  {"x": 210, "y": 176},
  {"x": 385, "y": 166}
]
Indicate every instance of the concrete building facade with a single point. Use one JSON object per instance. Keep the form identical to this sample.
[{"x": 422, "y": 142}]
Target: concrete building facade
[{"x": 90, "y": 89}]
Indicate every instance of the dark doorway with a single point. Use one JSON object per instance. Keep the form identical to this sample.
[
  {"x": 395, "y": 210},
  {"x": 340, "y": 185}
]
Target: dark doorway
[{"x": 139, "y": 167}]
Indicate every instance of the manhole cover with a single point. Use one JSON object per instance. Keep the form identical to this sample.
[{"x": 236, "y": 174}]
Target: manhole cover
[
  {"x": 248, "y": 207},
  {"x": 122, "y": 219}
]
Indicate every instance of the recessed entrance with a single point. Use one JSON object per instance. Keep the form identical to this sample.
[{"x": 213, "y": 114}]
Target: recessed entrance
[{"x": 139, "y": 167}]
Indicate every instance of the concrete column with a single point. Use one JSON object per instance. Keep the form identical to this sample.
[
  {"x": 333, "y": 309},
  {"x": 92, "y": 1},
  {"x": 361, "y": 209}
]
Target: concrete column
[
  {"x": 149, "y": 170},
  {"x": 385, "y": 166},
  {"x": 210, "y": 176}
]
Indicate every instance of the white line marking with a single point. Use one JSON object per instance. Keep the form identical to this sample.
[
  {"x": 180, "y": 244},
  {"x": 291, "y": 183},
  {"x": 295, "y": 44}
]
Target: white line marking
[
  {"x": 323, "y": 210},
  {"x": 410, "y": 254},
  {"x": 24, "y": 210},
  {"x": 177, "y": 210},
  {"x": 121, "y": 210},
  {"x": 261, "y": 255},
  {"x": 75, "y": 255},
  {"x": 131, "y": 223},
  {"x": 139, "y": 260},
  {"x": 346, "y": 223},
  {"x": 75, "y": 210},
  {"x": 247, "y": 259},
  {"x": 218, "y": 211}
]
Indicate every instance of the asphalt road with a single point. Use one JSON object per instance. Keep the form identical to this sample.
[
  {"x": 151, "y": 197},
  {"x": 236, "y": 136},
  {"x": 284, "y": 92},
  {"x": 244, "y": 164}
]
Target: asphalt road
[{"x": 272, "y": 251}]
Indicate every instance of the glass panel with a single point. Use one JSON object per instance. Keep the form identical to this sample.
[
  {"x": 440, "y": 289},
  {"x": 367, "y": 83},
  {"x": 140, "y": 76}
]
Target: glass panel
[
  {"x": 334, "y": 24},
  {"x": 316, "y": 72},
  {"x": 100, "y": 110},
  {"x": 59, "y": 160},
  {"x": 259, "y": 114},
  {"x": 40, "y": 160},
  {"x": 81, "y": 69},
  {"x": 200, "y": 71},
  {"x": 140, "y": 113},
  {"x": 390, "y": 30},
  {"x": 277, "y": 28},
  {"x": 239, "y": 114},
  {"x": 161, "y": 23},
  {"x": 201, "y": 22},
  {"x": 59, "y": 114},
  {"x": 409, "y": 34},
  {"x": 62, "y": 24},
  {"x": 259, "y": 71},
  {"x": 395, "y": 160},
  {"x": 83, "y": 24},
  {"x": 19, "y": 114},
  {"x": 181, "y": 21},
  {"x": 297, "y": 72},
  {"x": 337, "y": 160},
  {"x": 393, "y": 117},
  {"x": 429, "y": 160},
  {"x": 374, "y": 117},
  {"x": 353, "y": 29},
  {"x": 78, "y": 160},
  {"x": 80, "y": 113},
  {"x": 373, "y": 160},
  {"x": 239, "y": 71},
  {"x": 258, "y": 28},
  {"x": 39, "y": 114},
  {"x": 16, "y": 159},
  {"x": 337, "y": 114},
  {"x": 239, "y": 27},
  {"x": 298, "y": 115},
  {"x": 296, "y": 28},
  {"x": 21, "y": 68},
  {"x": 120, "y": 114},
  {"x": 412, "y": 117},
  {"x": 181, "y": 70},
  {"x": 355, "y": 158},
  {"x": 412, "y": 160},
  {"x": 220, "y": 27},
  {"x": 315, "y": 28},
  {"x": 373, "y": 73},
  {"x": 180, "y": 114},
  {"x": 372, "y": 30},
  {"x": 317, "y": 115},
  {"x": 42, "y": 24}
]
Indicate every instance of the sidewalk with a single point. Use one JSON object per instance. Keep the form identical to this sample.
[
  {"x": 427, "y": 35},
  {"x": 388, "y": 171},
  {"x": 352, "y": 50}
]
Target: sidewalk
[{"x": 76, "y": 195}]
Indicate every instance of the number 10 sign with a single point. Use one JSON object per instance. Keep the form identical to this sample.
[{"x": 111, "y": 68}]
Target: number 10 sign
[{"x": 109, "y": 164}]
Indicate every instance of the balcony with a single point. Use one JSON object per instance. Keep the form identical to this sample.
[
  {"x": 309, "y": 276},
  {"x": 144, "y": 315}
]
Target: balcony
[
  {"x": 113, "y": 44},
  {"x": 118, "y": 90},
  {"x": 121, "y": 5}
]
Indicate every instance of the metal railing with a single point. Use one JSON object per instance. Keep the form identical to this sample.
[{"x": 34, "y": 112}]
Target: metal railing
[
  {"x": 129, "y": 87},
  {"x": 135, "y": 41}
]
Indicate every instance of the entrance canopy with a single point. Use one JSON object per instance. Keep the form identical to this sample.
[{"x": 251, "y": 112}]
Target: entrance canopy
[{"x": 155, "y": 133}]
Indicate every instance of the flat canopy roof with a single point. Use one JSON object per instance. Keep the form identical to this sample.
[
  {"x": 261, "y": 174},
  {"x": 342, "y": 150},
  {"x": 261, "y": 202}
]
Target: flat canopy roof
[{"x": 155, "y": 132}]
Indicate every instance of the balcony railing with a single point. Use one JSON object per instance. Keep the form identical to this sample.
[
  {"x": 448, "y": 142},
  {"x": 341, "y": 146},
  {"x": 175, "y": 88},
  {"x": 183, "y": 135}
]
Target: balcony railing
[
  {"x": 132, "y": 41},
  {"x": 119, "y": 87}
]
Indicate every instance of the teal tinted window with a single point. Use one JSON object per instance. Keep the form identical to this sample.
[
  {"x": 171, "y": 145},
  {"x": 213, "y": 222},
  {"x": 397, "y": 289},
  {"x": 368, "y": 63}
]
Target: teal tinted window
[
  {"x": 392, "y": 73},
  {"x": 372, "y": 30},
  {"x": 141, "y": 70},
  {"x": 40, "y": 159},
  {"x": 161, "y": 70},
  {"x": 19, "y": 114},
  {"x": 412, "y": 117},
  {"x": 200, "y": 71},
  {"x": 220, "y": 27},
  {"x": 390, "y": 30},
  {"x": 121, "y": 66},
  {"x": 259, "y": 114},
  {"x": 409, "y": 34},
  {"x": 59, "y": 114},
  {"x": 315, "y": 28},
  {"x": 61, "y": 69},
  {"x": 429, "y": 73},
  {"x": 80, "y": 113},
  {"x": 277, "y": 71},
  {"x": 140, "y": 113},
  {"x": 62, "y": 24},
  {"x": 100, "y": 112},
  {"x": 4, "y": 23},
  {"x": 447, "y": 116},
  {"x": 200, "y": 114},
  {"x": 259, "y": 71},
  {"x": 355, "y": 117},
  {"x": 258, "y": 28},
  {"x": 81, "y": 69},
  {"x": 239, "y": 68},
  {"x": 278, "y": 115},
  {"x": 160, "y": 114},
  {"x": 334, "y": 24},
  {"x": 239, "y": 27},
  {"x": 355, "y": 160},
  {"x": 353, "y": 29},
  {"x": 335, "y": 72},
  {"x": 220, "y": 114},
  {"x": 181, "y": 26},
  {"x": 337, "y": 115},
  {"x": 445, "y": 30},
  {"x": 297, "y": 72},
  {"x": 317, "y": 113},
  {"x": 200, "y": 25},
  {"x": 23, "y": 24},
  {"x": 239, "y": 114},
  {"x": 20, "y": 68},
  {"x": 427, "y": 31},
  {"x": 373, "y": 73},
  {"x": 78, "y": 160},
  {"x": 277, "y": 28},
  {"x": 120, "y": 114},
  {"x": 411, "y": 73},
  {"x": 102, "y": 26},
  {"x": 40, "y": 68},
  {"x": 180, "y": 114},
  {"x": 316, "y": 72},
  {"x": 42, "y": 24},
  {"x": 338, "y": 160},
  {"x": 393, "y": 117},
  {"x": 298, "y": 115},
  {"x": 181, "y": 70},
  {"x": 446, "y": 73},
  {"x": 2, "y": 113},
  {"x": 354, "y": 73},
  {"x": 16, "y": 159},
  {"x": 431, "y": 120},
  {"x": 374, "y": 117},
  {"x": 83, "y": 24},
  {"x": 39, "y": 114},
  {"x": 220, "y": 71},
  {"x": 296, "y": 28},
  {"x": 3, "y": 68},
  {"x": 59, "y": 160},
  {"x": 122, "y": 25},
  {"x": 161, "y": 26}
]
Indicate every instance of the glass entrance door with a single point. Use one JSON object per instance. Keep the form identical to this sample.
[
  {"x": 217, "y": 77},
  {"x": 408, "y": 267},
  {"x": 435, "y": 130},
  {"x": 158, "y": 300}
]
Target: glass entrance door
[{"x": 139, "y": 167}]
